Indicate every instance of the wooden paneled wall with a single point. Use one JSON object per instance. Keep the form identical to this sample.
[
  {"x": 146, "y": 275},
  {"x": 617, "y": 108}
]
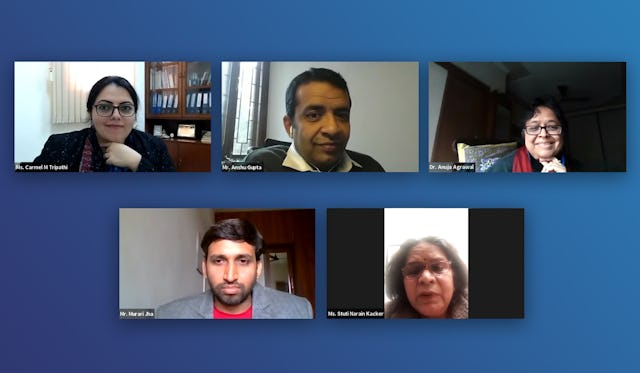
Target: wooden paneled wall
[{"x": 464, "y": 113}]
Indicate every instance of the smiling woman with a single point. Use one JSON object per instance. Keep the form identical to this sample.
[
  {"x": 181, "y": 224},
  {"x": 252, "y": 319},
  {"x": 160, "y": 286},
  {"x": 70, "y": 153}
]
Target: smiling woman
[
  {"x": 111, "y": 144},
  {"x": 544, "y": 131}
]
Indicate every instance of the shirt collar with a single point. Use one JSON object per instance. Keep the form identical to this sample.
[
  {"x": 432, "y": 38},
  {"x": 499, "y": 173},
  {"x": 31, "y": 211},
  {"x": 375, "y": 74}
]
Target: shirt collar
[{"x": 295, "y": 161}]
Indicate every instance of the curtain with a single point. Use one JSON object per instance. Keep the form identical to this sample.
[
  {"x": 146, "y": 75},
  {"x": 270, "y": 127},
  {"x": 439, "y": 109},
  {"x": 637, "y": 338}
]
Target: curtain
[
  {"x": 245, "y": 87},
  {"x": 71, "y": 83}
]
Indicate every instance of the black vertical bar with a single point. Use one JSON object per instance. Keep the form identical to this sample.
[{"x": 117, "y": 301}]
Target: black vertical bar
[
  {"x": 355, "y": 260},
  {"x": 496, "y": 263}
]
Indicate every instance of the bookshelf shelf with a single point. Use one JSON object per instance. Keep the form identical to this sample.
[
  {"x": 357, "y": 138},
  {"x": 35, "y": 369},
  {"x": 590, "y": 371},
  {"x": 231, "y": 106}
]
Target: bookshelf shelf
[{"x": 178, "y": 93}]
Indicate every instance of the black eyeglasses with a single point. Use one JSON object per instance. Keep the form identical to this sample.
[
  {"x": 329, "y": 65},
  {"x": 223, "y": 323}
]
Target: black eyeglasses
[
  {"x": 106, "y": 110},
  {"x": 552, "y": 129},
  {"x": 415, "y": 269}
]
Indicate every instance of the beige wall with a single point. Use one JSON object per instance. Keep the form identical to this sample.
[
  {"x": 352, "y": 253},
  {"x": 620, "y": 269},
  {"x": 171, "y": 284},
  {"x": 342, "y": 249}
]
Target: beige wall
[{"x": 158, "y": 254}]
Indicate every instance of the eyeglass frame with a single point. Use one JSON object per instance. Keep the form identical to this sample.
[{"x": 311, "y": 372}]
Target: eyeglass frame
[
  {"x": 540, "y": 128},
  {"x": 114, "y": 107},
  {"x": 425, "y": 266}
]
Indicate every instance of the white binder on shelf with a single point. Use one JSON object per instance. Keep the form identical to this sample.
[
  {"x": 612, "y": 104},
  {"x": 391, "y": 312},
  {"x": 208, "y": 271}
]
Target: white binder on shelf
[{"x": 198, "y": 108}]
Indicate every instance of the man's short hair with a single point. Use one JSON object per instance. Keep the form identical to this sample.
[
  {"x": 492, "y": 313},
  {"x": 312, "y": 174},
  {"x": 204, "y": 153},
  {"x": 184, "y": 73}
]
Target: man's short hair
[
  {"x": 233, "y": 230},
  {"x": 314, "y": 74}
]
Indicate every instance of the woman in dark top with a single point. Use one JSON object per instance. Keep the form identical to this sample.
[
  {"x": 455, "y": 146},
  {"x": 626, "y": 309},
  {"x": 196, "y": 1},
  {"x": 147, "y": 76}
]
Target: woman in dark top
[{"x": 111, "y": 143}]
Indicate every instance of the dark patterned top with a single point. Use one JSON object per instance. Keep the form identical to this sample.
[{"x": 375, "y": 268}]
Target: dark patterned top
[{"x": 66, "y": 149}]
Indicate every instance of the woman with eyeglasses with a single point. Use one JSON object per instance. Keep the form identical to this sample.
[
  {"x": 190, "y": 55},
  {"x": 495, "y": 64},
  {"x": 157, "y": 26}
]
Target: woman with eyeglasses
[
  {"x": 544, "y": 131},
  {"x": 426, "y": 279},
  {"x": 111, "y": 144}
]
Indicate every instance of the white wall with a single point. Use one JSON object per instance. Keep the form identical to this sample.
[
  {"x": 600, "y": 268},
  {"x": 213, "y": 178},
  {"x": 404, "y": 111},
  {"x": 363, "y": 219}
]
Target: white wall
[
  {"x": 32, "y": 109},
  {"x": 159, "y": 254},
  {"x": 32, "y": 104},
  {"x": 451, "y": 224},
  {"x": 384, "y": 116}
]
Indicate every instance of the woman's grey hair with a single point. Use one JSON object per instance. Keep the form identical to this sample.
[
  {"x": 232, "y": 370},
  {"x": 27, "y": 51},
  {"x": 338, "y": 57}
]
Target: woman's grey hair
[{"x": 399, "y": 306}]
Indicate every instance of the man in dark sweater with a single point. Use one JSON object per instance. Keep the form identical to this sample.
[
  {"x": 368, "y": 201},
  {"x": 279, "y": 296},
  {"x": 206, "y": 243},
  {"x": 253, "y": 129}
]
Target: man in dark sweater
[{"x": 318, "y": 107}]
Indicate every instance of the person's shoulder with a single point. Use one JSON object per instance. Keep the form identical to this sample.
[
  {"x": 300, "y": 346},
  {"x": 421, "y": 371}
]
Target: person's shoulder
[
  {"x": 367, "y": 162},
  {"x": 68, "y": 136},
  {"x": 281, "y": 295},
  {"x": 190, "y": 307},
  {"x": 397, "y": 310},
  {"x": 62, "y": 148},
  {"x": 270, "y": 157},
  {"x": 504, "y": 164},
  {"x": 278, "y": 152},
  {"x": 283, "y": 305}
]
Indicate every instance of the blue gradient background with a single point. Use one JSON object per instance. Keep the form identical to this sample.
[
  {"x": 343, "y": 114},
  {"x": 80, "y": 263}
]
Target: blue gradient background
[{"x": 59, "y": 256}]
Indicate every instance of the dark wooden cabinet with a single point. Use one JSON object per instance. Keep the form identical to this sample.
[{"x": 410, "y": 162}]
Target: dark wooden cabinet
[
  {"x": 177, "y": 94},
  {"x": 470, "y": 112},
  {"x": 190, "y": 155},
  {"x": 178, "y": 90},
  {"x": 464, "y": 113}
]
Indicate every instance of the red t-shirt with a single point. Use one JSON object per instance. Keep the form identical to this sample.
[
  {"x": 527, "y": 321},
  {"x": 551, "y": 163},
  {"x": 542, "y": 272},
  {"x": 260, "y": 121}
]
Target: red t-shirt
[{"x": 217, "y": 314}]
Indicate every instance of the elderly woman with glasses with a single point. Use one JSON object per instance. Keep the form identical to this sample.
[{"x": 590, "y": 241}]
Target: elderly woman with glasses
[
  {"x": 111, "y": 143},
  {"x": 544, "y": 131},
  {"x": 426, "y": 279}
]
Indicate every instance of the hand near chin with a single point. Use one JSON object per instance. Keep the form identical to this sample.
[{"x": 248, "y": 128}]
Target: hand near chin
[
  {"x": 553, "y": 166},
  {"x": 120, "y": 155}
]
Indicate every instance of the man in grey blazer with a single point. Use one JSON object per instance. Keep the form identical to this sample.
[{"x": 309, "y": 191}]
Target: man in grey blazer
[{"x": 232, "y": 250}]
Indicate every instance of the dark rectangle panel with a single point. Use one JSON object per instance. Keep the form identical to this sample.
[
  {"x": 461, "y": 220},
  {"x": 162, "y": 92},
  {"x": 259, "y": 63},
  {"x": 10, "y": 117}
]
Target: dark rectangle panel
[
  {"x": 355, "y": 263},
  {"x": 496, "y": 263}
]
